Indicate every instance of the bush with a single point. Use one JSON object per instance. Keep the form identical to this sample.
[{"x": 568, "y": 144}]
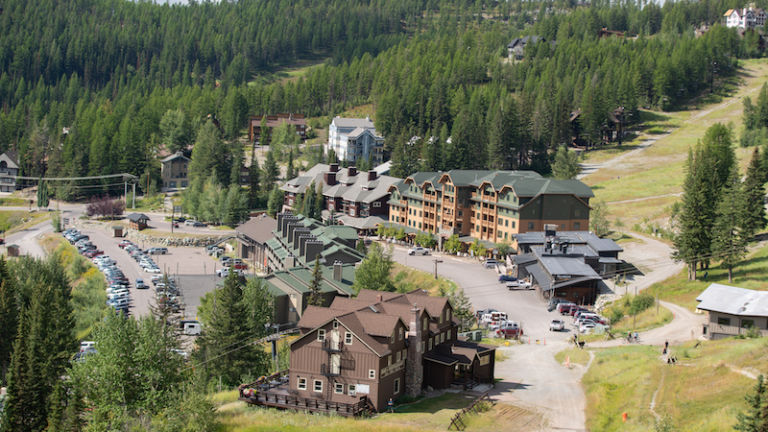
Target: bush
[{"x": 640, "y": 303}]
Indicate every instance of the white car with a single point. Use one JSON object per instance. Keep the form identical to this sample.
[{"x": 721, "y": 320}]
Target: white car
[
  {"x": 152, "y": 270},
  {"x": 586, "y": 327},
  {"x": 224, "y": 272},
  {"x": 418, "y": 250},
  {"x": 557, "y": 325}
]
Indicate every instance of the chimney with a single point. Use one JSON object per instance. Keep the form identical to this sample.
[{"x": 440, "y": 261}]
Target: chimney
[
  {"x": 330, "y": 178},
  {"x": 313, "y": 248},
  {"x": 371, "y": 175},
  {"x": 337, "y": 267},
  {"x": 414, "y": 369},
  {"x": 351, "y": 171},
  {"x": 334, "y": 167},
  {"x": 550, "y": 230},
  {"x": 290, "y": 262}
]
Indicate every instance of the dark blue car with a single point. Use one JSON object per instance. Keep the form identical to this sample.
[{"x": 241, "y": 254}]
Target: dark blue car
[{"x": 507, "y": 278}]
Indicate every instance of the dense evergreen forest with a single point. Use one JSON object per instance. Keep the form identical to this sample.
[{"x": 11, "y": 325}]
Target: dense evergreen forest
[{"x": 100, "y": 86}]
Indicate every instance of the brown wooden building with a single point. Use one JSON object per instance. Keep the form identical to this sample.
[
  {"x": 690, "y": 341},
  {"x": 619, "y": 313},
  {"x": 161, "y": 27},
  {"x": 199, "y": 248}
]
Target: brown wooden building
[
  {"x": 252, "y": 238},
  {"x": 381, "y": 345},
  {"x": 138, "y": 221},
  {"x": 297, "y": 120}
]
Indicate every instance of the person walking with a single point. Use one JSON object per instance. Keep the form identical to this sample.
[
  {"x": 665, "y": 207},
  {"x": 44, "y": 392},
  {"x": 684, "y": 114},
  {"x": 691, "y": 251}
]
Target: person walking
[{"x": 391, "y": 405}]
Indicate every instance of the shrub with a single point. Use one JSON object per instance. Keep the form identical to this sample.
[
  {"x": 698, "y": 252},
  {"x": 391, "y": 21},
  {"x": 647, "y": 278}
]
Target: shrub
[{"x": 640, "y": 303}]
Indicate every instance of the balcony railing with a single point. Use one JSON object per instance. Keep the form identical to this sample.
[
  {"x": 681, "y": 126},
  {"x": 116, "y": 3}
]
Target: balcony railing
[
  {"x": 333, "y": 348},
  {"x": 328, "y": 371}
]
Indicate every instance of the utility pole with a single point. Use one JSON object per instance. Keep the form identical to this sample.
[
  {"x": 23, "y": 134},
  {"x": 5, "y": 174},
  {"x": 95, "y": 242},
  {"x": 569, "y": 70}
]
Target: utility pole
[{"x": 134, "y": 196}]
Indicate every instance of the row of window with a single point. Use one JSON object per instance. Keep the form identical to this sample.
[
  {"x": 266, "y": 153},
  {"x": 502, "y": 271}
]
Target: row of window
[
  {"x": 348, "y": 336},
  {"x": 338, "y": 388}
]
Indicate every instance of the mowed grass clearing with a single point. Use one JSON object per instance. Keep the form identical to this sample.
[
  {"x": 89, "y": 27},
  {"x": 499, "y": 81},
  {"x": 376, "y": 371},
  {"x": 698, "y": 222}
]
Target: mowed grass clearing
[
  {"x": 658, "y": 171},
  {"x": 703, "y": 392},
  {"x": 750, "y": 273},
  {"x": 431, "y": 414}
]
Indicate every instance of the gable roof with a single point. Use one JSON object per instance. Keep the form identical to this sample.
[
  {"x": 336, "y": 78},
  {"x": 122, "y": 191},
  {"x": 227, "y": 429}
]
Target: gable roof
[
  {"x": 348, "y": 122},
  {"x": 10, "y": 159},
  {"x": 734, "y": 300},
  {"x": 177, "y": 155},
  {"x": 137, "y": 217},
  {"x": 258, "y": 228}
]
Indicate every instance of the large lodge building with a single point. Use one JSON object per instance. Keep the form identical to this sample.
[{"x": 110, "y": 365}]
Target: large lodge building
[{"x": 492, "y": 206}]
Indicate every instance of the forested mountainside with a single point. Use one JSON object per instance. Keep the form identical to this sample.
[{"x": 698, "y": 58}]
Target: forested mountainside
[{"x": 107, "y": 71}]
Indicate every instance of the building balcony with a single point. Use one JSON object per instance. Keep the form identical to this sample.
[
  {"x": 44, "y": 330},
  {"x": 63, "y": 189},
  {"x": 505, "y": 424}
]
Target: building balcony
[
  {"x": 332, "y": 348},
  {"x": 328, "y": 371}
]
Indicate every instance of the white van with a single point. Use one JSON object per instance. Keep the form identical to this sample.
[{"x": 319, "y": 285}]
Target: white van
[{"x": 191, "y": 328}]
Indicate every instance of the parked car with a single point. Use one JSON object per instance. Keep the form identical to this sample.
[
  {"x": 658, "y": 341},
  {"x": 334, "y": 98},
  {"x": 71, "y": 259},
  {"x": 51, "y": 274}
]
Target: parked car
[
  {"x": 418, "y": 250},
  {"x": 140, "y": 284},
  {"x": 191, "y": 327},
  {"x": 86, "y": 345},
  {"x": 125, "y": 243},
  {"x": 224, "y": 272},
  {"x": 557, "y": 325},
  {"x": 510, "y": 329},
  {"x": 586, "y": 327},
  {"x": 157, "y": 251},
  {"x": 198, "y": 224},
  {"x": 190, "y": 222},
  {"x": 493, "y": 317},
  {"x": 490, "y": 263},
  {"x": 565, "y": 308},
  {"x": 153, "y": 270},
  {"x": 507, "y": 278}
]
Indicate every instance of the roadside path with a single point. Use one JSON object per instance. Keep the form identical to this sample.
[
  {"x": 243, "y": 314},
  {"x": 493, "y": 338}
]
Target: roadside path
[{"x": 587, "y": 168}]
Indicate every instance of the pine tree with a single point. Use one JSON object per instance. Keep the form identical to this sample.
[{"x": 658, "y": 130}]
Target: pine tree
[
  {"x": 275, "y": 203},
  {"x": 271, "y": 171},
  {"x": 308, "y": 202},
  {"x": 289, "y": 174},
  {"x": 9, "y": 318},
  {"x": 228, "y": 327},
  {"x": 462, "y": 309},
  {"x": 254, "y": 192},
  {"x": 374, "y": 271},
  {"x": 753, "y": 214},
  {"x": 566, "y": 164},
  {"x": 19, "y": 413},
  {"x": 318, "y": 202},
  {"x": 728, "y": 241},
  {"x": 755, "y": 419},
  {"x": 315, "y": 296}
]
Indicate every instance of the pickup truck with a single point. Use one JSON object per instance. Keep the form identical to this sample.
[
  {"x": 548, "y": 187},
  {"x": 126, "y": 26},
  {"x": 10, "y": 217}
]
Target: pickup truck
[
  {"x": 510, "y": 329},
  {"x": 519, "y": 284}
]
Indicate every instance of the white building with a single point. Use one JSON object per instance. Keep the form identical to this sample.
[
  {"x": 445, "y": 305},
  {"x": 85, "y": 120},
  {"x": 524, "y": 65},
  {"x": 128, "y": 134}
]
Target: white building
[
  {"x": 355, "y": 139},
  {"x": 745, "y": 18},
  {"x": 733, "y": 311}
]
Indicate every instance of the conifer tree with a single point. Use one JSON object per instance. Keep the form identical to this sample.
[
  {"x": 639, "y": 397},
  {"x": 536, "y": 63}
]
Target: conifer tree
[
  {"x": 271, "y": 171},
  {"x": 692, "y": 235},
  {"x": 289, "y": 174},
  {"x": 227, "y": 328},
  {"x": 755, "y": 419},
  {"x": 254, "y": 192},
  {"x": 318, "y": 202},
  {"x": 308, "y": 202},
  {"x": 315, "y": 297},
  {"x": 566, "y": 164},
  {"x": 9, "y": 318},
  {"x": 753, "y": 214},
  {"x": 728, "y": 241},
  {"x": 275, "y": 203}
]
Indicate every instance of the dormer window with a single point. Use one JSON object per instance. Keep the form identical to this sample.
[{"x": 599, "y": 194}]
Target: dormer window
[{"x": 321, "y": 335}]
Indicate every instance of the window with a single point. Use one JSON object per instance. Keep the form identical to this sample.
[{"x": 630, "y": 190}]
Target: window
[
  {"x": 302, "y": 384},
  {"x": 338, "y": 388},
  {"x": 389, "y": 360},
  {"x": 424, "y": 324},
  {"x": 513, "y": 224},
  {"x": 747, "y": 323},
  {"x": 399, "y": 356},
  {"x": 530, "y": 225},
  {"x": 352, "y": 389},
  {"x": 347, "y": 338},
  {"x": 576, "y": 226},
  {"x": 422, "y": 347},
  {"x": 321, "y": 335},
  {"x": 430, "y": 344},
  {"x": 397, "y": 385},
  {"x": 318, "y": 386},
  {"x": 376, "y": 204},
  {"x": 723, "y": 321},
  {"x": 335, "y": 324},
  {"x": 401, "y": 334},
  {"x": 372, "y": 373}
]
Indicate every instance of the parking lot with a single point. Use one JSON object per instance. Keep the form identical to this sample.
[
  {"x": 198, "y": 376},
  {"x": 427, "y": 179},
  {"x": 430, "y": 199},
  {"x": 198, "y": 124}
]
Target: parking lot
[
  {"x": 182, "y": 261},
  {"x": 483, "y": 288}
]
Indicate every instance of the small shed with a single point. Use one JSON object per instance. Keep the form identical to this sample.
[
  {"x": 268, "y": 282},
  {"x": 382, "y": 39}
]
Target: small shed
[
  {"x": 138, "y": 221},
  {"x": 13, "y": 250},
  {"x": 117, "y": 230}
]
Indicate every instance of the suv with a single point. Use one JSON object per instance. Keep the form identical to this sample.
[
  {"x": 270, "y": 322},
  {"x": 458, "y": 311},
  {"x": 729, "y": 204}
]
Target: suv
[
  {"x": 557, "y": 325},
  {"x": 490, "y": 263},
  {"x": 418, "y": 250},
  {"x": 140, "y": 284},
  {"x": 507, "y": 278}
]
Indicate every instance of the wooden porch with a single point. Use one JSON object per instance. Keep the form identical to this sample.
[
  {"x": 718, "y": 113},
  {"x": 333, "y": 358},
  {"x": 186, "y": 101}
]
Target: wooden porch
[{"x": 273, "y": 391}]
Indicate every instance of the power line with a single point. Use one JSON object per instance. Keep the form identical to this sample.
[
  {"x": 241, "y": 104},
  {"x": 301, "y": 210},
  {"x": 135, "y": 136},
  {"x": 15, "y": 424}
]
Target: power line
[{"x": 122, "y": 175}]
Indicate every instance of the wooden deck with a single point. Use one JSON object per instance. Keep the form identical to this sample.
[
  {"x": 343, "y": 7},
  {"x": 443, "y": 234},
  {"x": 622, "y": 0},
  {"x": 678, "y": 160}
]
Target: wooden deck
[{"x": 273, "y": 392}]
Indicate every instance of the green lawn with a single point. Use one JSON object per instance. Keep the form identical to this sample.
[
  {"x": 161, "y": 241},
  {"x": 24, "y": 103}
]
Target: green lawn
[
  {"x": 430, "y": 414},
  {"x": 701, "y": 393},
  {"x": 656, "y": 174},
  {"x": 13, "y": 202},
  {"x": 15, "y": 220},
  {"x": 408, "y": 279},
  {"x": 751, "y": 273}
]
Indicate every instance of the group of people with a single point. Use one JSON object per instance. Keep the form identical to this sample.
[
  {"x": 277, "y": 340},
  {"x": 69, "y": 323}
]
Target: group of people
[{"x": 671, "y": 359}]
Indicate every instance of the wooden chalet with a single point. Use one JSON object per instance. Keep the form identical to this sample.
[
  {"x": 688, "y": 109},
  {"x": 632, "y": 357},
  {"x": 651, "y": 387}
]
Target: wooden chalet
[
  {"x": 138, "y": 221},
  {"x": 297, "y": 120},
  {"x": 360, "y": 352}
]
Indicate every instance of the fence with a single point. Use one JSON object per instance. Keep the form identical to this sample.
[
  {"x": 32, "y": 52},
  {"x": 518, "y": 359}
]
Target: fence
[{"x": 458, "y": 420}]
